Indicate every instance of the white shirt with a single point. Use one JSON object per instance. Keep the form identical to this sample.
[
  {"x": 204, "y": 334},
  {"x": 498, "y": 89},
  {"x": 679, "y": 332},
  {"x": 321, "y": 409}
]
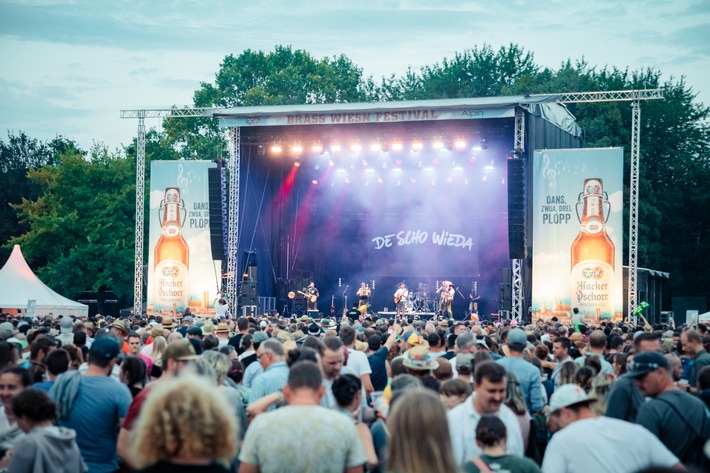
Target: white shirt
[
  {"x": 357, "y": 361},
  {"x": 592, "y": 445},
  {"x": 463, "y": 420}
]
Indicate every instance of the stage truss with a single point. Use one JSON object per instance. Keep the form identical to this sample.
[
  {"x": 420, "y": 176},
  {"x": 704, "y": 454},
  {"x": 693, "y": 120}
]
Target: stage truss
[{"x": 633, "y": 96}]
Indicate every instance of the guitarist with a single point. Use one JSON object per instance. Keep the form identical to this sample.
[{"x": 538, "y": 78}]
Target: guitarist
[
  {"x": 364, "y": 293},
  {"x": 312, "y": 299},
  {"x": 400, "y": 298},
  {"x": 447, "y": 297}
]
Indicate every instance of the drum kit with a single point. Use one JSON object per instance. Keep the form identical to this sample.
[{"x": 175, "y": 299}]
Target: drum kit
[{"x": 421, "y": 300}]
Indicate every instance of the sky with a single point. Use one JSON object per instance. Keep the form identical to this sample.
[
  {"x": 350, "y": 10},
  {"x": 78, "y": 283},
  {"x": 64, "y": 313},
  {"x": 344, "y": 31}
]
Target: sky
[{"x": 69, "y": 67}]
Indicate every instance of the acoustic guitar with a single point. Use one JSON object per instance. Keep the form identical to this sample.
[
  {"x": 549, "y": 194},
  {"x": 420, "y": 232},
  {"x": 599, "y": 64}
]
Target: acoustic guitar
[{"x": 310, "y": 297}]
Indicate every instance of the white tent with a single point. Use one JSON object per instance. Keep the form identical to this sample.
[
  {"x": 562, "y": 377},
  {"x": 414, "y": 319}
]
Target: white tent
[{"x": 19, "y": 284}]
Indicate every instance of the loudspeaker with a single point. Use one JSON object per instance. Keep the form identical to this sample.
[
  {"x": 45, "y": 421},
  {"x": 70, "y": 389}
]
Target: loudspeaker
[
  {"x": 505, "y": 297},
  {"x": 516, "y": 208},
  {"x": 216, "y": 202},
  {"x": 250, "y": 274}
]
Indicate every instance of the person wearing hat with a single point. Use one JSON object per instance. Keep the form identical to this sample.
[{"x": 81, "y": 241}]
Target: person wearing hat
[
  {"x": 187, "y": 322},
  {"x": 92, "y": 404},
  {"x": 528, "y": 375},
  {"x": 419, "y": 363},
  {"x": 174, "y": 362},
  {"x": 222, "y": 332},
  {"x": 7, "y": 330},
  {"x": 120, "y": 329},
  {"x": 583, "y": 439},
  {"x": 677, "y": 418}
]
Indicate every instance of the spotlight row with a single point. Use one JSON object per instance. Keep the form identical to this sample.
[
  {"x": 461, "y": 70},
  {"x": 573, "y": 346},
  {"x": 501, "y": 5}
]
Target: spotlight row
[{"x": 384, "y": 146}]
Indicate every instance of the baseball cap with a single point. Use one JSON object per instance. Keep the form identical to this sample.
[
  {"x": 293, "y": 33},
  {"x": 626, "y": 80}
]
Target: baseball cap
[
  {"x": 180, "y": 350},
  {"x": 7, "y": 330},
  {"x": 646, "y": 362},
  {"x": 412, "y": 338},
  {"x": 259, "y": 337},
  {"x": 517, "y": 337},
  {"x": 464, "y": 360},
  {"x": 568, "y": 395},
  {"x": 105, "y": 348},
  {"x": 194, "y": 331}
]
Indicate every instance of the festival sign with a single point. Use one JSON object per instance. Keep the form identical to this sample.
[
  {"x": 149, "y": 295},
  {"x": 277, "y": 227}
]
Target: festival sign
[
  {"x": 181, "y": 272},
  {"x": 577, "y": 234}
]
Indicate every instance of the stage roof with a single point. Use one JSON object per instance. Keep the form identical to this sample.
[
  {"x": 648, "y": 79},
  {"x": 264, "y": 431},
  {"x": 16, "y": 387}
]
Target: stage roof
[{"x": 397, "y": 112}]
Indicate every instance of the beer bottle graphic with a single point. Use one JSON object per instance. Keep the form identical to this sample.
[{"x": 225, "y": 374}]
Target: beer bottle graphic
[
  {"x": 172, "y": 257},
  {"x": 592, "y": 256}
]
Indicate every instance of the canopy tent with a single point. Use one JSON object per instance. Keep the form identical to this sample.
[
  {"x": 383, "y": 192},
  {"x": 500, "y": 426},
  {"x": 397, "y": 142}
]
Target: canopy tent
[{"x": 19, "y": 284}]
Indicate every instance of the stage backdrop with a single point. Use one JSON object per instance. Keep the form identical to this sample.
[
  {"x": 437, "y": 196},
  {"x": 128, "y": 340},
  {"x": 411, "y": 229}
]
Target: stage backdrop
[
  {"x": 577, "y": 234},
  {"x": 181, "y": 272}
]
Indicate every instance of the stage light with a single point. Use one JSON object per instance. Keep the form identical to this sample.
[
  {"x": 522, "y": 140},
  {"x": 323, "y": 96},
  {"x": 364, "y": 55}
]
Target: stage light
[
  {"x": 355, "y": 147},
  {"x": 449, "y": 179},
  {"x": 412, "y": 180},
  {"x": 335, "y": 147},
  {"x": 438, "y": 143},
  {"x": 296, "y": 148},
  {"x": 397, "y": 145},
  {"x": 489, "y": 167},
  {"x": 364, "y": 163},
  {"x": 317, "y": 147},
  {"x": 458, "y": 168},
  {"x": 459, "y": 143},
  {"x": 417, "y": 145},
  {"x": 347, "y": 180},
  {"x": 276, "y": 148},
  {"x": 341, "y": 171},
  {"x": 297, "y": 163},
  {"x": 376, "y": 146},
  {"x": 331, "y": 163},
  {"x": 428, "y": 169},
  {"x": 472, "y": 159},
  {"x": 380, "y": 180},
  {"x": 314, "y": 182},
  {"x": 481, "y": 145},
  {"x": 435, "y": 161},
  {"x": 484, "y": 179},
  {"x": 397, "y": 170},
  {"x": 369, "y": 170},
  {"x": 317, "y": 166},
  {"x": 399, "y": 182},
  {"x": 398, "y": 162}
]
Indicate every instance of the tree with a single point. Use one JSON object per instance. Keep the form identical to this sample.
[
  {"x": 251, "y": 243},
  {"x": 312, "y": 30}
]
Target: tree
[
  {"x": 81, "y": 227},
  {"x": 17, "y": 156},
  {"x": 284, "y": 76}
]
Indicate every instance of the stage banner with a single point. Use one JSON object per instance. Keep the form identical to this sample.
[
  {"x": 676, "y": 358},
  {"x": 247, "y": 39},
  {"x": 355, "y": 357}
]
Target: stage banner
[
  {"x": 181, "y": 272},
  {"x": 577, "y": 234}
]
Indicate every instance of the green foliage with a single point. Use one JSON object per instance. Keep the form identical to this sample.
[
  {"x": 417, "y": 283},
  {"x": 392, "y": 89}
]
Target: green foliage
[{"x": 81, "y": 227}]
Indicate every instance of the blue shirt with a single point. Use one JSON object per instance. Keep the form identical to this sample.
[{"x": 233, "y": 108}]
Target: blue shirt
[
  {"x": 270, "y": 381},
  {"x": 528, "y": 376},
  {"x": 100, "y": 403}
]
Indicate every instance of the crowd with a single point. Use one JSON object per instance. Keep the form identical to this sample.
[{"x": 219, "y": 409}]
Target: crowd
[{"x": 362, "y": 394}]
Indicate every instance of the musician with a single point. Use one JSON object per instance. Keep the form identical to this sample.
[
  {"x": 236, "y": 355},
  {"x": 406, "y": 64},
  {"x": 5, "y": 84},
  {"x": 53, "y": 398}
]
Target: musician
[
  {"x": 364, "y": 293},
  {"x": 312, "y": 303},
  {"x": 447, "y": 297},
  {"x": 400, "y": 298}
]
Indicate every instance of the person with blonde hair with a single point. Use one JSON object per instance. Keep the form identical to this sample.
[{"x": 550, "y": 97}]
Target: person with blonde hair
[
  {"x": 185, "y": 423},
  {"x": 159, "y": 344},
  {"x": 419, "y": 441}
]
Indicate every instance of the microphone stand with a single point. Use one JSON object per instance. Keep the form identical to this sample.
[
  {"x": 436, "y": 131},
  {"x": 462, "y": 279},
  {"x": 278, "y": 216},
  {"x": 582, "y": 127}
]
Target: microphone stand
[{"x": 345, "y": 298}]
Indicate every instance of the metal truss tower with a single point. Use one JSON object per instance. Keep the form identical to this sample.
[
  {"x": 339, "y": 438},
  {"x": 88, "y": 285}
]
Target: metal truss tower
[
  {"x": 233, "y": 229},
  {"x": 518, "y": 296}
]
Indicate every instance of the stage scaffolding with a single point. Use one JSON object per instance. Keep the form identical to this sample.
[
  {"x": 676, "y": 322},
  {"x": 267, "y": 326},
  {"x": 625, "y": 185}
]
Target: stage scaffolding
[{"x": 518, "y": 303}]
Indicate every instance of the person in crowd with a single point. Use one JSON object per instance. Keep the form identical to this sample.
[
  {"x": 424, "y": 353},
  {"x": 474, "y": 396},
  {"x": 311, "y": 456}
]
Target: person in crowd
[
  {"x": 619, "y": 364},
  {"x": 680, "y": 420},
  {"x": 419, "y": 439},
  {"x": 491, "y": 438},
  {"x": 579, "y": 429},
  {"x": 453, "y": 392},
  {"x": 490, "y": 386},
  {"x": 560, "y": 350},
  {"x": 528, "y": 376},
  {"x": 133, "y": 374},
  {"x": 347, "y": 390},
  {"x": 44, "y": 448},
  {"x": 12, "y": 382},
  {"x": 94, "y": 405},
  {"x": 272, "y": 359},
  {"x": 625, "y": 397},
  {"x": 176, "y": 361},
  {"x": 185, "y": 426},
  {"x": 221, "y": 365},
  {"x": 242, "y": 329},
  {"x": 133, "y": 340},
  {"x": 156, "y": 356},
  {"x": 567, "y": 373},
  {"x": 601, "y": 385},
  {"x": 76, "y": 356},
  {"x": 332, "y": 360},
  {"x": 57, "y": 363},
  {"x": 356, "y": 360},
  {"x": 584, "y": 377},
  {"x": 270, "y": 448},
  {"x": 693, "y": 346},
  {"x": 420, "y": 364},
  {"x": 252, "y": 369},
  {"x": 515, "y": 401},
  {"x": 8, "y": 355}
]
